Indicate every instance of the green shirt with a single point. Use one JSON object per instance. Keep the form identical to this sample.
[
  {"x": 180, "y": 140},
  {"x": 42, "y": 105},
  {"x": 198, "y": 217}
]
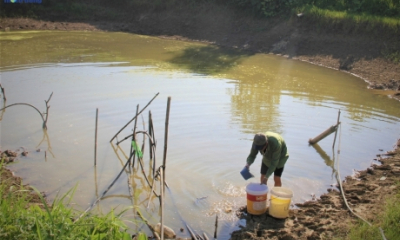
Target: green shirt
[{"x": 275, "y": 156}]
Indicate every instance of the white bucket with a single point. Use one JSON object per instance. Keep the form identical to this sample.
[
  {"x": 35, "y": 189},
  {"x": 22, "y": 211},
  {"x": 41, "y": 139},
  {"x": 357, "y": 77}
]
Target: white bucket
[
  {"x": 256, "y": 198},
  {"x": 280, "y": 202}
]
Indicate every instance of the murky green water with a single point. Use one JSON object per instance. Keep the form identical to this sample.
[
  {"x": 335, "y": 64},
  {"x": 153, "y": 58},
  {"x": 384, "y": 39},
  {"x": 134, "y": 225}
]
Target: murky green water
[{"x": 220, "y": 98}]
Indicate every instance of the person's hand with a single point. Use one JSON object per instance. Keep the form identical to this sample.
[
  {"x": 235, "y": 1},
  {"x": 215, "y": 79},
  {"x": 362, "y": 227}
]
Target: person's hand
[
  {"x": 247, "y": 166},
  {"x": 264, "y": 180}
]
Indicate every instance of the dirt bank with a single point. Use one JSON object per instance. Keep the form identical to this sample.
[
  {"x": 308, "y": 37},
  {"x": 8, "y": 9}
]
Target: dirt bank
[
  {"x": 327, "y": 216},
  {"x": 357, "y": 53}
]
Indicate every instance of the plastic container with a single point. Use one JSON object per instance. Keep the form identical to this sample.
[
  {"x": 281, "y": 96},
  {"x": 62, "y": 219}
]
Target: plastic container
[
  {"x": 246, "y": 174},
  {"x": 256, "y": 198},
  {"x": 280, "y": 202}
]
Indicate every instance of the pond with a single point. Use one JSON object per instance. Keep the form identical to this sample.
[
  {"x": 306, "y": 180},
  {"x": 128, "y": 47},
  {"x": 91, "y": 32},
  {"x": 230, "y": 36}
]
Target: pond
[{"x": 219, "y": 99}]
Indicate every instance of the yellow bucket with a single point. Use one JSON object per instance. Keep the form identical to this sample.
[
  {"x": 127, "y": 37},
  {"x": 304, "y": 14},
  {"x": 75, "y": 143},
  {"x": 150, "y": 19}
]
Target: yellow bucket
[
  {"x": 256, "y": 198},
  {"x": 280, "y": 202}
]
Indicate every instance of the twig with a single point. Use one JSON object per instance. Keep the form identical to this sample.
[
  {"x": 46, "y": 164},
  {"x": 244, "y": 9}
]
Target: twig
[
  {"x": 4, "y": 94},
  {"x": 166, "y": 138},
  {"x": 27, "y": 104},
  {"x": 152, "y": 188},
  {"x": 104, "y": 193},
  {"x": 216, "y": 227},
  {"x": 134, "y": 117},
  {"x": 205, "y": 236},
  {"x": 150, "y": 131},
  {"x": 134, "y": 136},
  {"x": 47, "y": 111},
  {"x": 151, "y": 227},
  {"x": 95, "y": 137},
  {"x": 192, "y": 233},
  {"x": 162, "y": 203}
]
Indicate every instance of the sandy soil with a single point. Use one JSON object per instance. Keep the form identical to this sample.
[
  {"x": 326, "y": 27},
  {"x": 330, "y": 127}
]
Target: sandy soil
[{"x": 358, "y": 54}]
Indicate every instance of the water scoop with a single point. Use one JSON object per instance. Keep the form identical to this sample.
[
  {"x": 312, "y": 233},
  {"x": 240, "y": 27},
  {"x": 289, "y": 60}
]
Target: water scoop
[{"x": 246, "y": 174}]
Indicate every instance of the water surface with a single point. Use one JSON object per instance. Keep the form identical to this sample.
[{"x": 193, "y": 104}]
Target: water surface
[{"x": 220, "y": 99}]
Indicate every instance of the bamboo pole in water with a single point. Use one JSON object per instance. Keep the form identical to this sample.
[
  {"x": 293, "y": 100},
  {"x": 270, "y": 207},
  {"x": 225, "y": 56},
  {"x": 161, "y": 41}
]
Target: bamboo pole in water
[
  {"x": 134, "y": 117},
  {"x": 162, "y": 202},
  {"x": 134, "y": 136},
  {"x": 328, "y": 131},
  {"x": 166, "y": 139},
  {"x": 95, "y": 137},
  {"x": 334, "y": 140},
  {"x": 153, "y": 146},
  {"x": 150, "y": 130}
]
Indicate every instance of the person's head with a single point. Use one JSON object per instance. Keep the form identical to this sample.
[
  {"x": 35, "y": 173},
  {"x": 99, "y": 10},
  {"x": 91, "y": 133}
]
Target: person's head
[{"x": 260, "y": 141}]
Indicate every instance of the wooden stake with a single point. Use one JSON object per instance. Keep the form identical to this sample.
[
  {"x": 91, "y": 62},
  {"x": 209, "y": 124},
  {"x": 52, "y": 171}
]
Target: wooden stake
[
  {"x": 166, "y": 138},
  {"x": 95, "y": 137},
  {"x": 334, "y": 140},
  {"x": 162, "y": 202}
]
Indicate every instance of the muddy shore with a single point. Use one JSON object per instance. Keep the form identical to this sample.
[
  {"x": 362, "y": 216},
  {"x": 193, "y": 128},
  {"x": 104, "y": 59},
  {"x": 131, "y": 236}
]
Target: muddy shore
[{"x": 358, "y": 54}]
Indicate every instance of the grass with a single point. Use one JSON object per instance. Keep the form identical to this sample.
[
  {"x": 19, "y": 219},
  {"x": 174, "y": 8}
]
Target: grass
[
  {"x": 388, "y": 220},
  {"x": 21, "y": 219},
  {"x": 364, "y": 21}
]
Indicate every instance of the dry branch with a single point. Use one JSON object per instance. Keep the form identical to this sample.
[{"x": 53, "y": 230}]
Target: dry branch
[{"x": 134, "y": 117}]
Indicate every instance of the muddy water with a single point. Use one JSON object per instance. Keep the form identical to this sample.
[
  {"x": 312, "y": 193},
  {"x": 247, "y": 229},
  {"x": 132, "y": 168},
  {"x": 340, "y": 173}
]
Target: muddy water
[{"x": 220, "y": 98}]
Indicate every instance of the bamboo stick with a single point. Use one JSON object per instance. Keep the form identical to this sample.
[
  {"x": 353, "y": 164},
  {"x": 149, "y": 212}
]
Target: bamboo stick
[
  {"x": 150, "y": 130},
  {"x": 153, "y": 146},
  {"x": 134, "y": 117},
  {"x": 216, "y": 227},
  {"x": 334, "y": 140},
  {"x": 191, "y": 232},
  {"x": 166, "y": 139},
  {"x": 134, "y": 136},
  {"x": 162, "y": 203},
  {"x": 328, "y": 131},
  {"x": 47, "y": 111},
  {"x": 95, "y": 137}
]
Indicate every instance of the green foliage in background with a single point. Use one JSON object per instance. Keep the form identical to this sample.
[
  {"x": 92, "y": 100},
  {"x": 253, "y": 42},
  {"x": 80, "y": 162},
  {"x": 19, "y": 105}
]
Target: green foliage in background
[{"x": 384, "y": 8}]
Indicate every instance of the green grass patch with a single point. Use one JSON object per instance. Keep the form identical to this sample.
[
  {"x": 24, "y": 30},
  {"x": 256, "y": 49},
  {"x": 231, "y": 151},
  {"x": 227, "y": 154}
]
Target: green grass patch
[
  {"x": 365, "y": 22},
  {"x": 21, "y": 219},
  {"x": 388, "y": 220}
]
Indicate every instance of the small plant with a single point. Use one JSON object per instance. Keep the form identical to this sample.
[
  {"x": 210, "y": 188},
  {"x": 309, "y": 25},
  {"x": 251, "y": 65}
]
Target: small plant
[{"x": 21, "y": 219}]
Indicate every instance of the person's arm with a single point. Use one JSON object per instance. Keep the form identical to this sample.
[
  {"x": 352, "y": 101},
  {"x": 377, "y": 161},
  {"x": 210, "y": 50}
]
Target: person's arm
[{"x": 251, "y": 157}]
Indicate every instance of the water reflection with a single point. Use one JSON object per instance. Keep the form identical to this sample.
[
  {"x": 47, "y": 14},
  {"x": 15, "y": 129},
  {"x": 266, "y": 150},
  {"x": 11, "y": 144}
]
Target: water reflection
[{"x": 208, "y": 59}]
